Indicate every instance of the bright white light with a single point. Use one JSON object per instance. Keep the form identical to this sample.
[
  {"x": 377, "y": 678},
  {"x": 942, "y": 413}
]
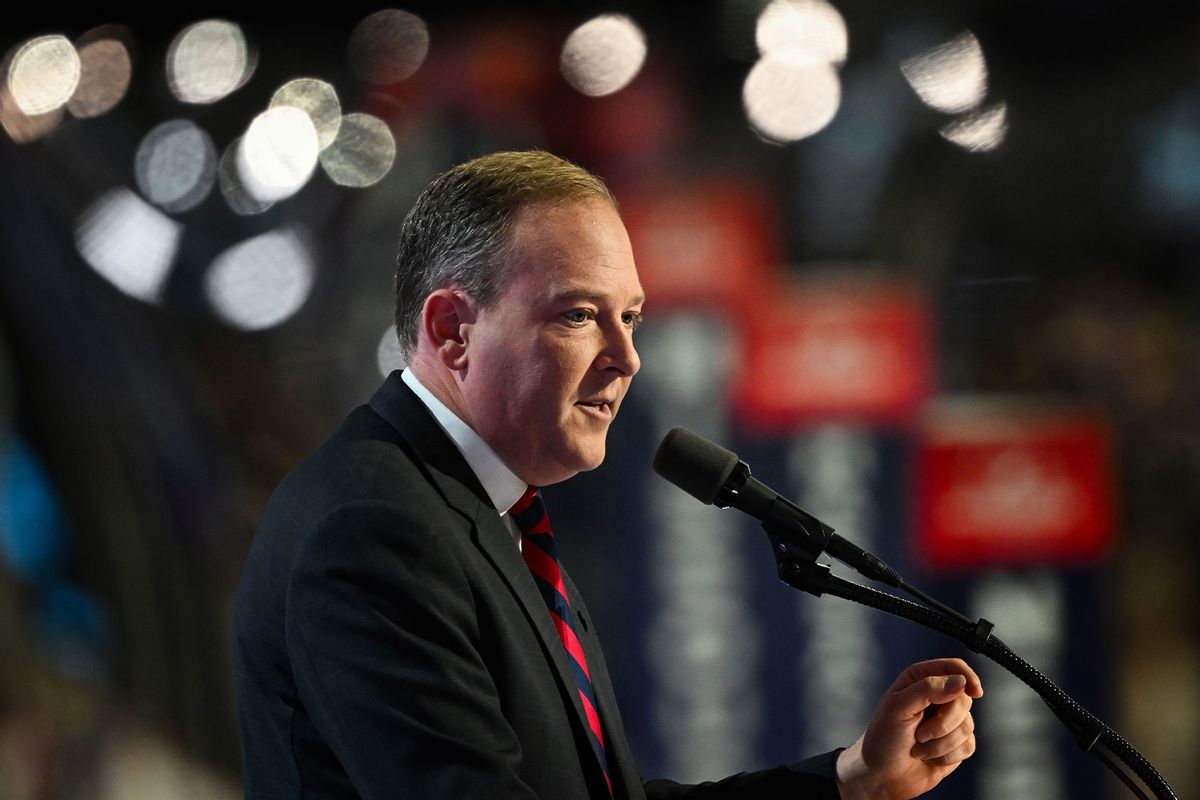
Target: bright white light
[
  {"x": 362, "y": 153},
  {"x": 802, "y": 30},
  {"x": 129, "y": 242},
  {"x": 176, "y": 165},
  {"x": 388, "y": 356},
  {"x": 388, "y": 46},
  {"x": 278, "y": 153},
  {"x": 43, "y": 74},
  {"x": 229, "y": 178},
  {"x": 316, "y": 98},
  {"x": 104, "y": 78},
  {"x": 207, "y": 61},
  {"x": 262, "y": 281},
  {"x": 788, "y": 100},
  {"x": 603, "y": 55},
  {"x": 979, "y": 132},
  {"x": 951, "y": 77}
]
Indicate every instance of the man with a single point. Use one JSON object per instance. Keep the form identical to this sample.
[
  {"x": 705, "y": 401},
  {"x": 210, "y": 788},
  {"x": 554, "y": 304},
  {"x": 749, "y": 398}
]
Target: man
[{"x": 398, "y": 633}]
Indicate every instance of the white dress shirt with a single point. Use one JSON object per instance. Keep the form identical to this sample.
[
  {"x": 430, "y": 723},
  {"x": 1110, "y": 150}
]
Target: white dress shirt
[{"x": 502, "y": 485}]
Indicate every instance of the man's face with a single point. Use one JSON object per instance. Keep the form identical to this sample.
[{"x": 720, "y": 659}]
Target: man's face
[{"x": 548, "y": 364}]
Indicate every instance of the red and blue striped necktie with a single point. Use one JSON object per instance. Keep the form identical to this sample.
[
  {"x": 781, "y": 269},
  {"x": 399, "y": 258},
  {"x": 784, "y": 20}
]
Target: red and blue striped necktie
[{"x": 538, "y": 551}]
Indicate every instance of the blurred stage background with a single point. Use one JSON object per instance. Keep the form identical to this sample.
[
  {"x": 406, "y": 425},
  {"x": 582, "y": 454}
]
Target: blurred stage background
[{"x": 930, "y": 267}]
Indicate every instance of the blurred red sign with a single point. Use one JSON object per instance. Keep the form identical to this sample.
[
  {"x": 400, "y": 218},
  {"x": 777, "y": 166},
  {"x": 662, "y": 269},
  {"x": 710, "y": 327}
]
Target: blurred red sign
[
  {"x": 1004, "y": 487},
  {"x": 822, "y": 350},
  {"x": 707, "y": 244}
]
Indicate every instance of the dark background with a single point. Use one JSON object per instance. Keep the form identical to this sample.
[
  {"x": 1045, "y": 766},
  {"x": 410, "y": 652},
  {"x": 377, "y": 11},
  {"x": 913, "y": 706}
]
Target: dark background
[{"x": 146, "y": 438}]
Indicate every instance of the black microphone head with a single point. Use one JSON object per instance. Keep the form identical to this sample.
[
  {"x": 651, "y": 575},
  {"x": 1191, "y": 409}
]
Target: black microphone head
[{"x": 694, "y": 464}]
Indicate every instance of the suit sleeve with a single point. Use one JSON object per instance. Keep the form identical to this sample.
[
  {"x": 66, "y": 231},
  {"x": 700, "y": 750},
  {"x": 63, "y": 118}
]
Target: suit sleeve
[
  {"x": 382, "y": 638},
  {"x": 811, "y": 779}
]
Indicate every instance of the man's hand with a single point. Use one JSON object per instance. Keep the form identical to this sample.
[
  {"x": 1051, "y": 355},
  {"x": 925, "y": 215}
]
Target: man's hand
[{"x": 922, "y": 730}]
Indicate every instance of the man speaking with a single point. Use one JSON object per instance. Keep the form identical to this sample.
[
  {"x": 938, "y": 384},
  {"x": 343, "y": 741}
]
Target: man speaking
[{"x": 404, "y": 628}]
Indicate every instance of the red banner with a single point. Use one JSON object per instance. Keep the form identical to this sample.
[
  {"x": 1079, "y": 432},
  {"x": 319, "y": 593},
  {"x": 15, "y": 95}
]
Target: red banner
[
  {"x": 998, "y": 486},
  {"x": 818, "y": 350},
  {"x": 708, "y": 245}
]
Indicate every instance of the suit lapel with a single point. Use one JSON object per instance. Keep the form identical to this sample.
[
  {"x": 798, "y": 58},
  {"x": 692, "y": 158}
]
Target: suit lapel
[{"x": 446, "y": 468}]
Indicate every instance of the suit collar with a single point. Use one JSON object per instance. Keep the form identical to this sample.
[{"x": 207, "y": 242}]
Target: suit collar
[
  {"x": 454, "y": 479},
  {"x": 433, "y": 450},
  {"x": 502, "y": 485}
]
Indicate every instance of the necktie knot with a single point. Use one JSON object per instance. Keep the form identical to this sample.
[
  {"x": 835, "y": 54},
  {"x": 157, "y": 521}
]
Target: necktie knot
[
  {"x": 530, "y": 495},
  {"x": 530, "y": 514}
]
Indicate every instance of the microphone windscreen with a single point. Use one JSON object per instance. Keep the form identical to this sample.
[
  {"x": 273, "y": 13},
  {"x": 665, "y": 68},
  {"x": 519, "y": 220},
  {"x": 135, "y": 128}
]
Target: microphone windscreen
[{"x": 694, "y": 464}]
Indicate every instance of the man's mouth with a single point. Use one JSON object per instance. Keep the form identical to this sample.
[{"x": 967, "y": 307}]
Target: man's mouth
[{"x": 601, "y": 408}]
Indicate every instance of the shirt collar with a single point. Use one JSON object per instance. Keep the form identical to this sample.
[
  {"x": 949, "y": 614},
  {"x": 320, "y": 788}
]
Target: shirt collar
[{"x": 502, "y": 485}]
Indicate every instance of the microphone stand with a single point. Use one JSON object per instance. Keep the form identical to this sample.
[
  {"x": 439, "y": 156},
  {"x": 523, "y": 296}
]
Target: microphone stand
[{"x": 796, "y": 560}]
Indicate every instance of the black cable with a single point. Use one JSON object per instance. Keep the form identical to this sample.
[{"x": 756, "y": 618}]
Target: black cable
[
  {"x": 1120, "y": 773},
  {"x": 932, "y": 603}
]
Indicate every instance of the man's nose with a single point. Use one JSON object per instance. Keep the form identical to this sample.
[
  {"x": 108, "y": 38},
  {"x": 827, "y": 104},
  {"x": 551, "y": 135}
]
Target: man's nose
[{"x": 620, "y": 353}]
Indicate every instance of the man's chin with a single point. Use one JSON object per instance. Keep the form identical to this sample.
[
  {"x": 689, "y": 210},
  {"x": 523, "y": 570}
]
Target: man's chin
[{"x": 579, "y": 461}]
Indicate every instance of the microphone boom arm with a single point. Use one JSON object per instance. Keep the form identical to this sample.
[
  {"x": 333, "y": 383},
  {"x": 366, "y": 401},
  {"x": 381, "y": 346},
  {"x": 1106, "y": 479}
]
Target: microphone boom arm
[{"x": 798, "y": 567}]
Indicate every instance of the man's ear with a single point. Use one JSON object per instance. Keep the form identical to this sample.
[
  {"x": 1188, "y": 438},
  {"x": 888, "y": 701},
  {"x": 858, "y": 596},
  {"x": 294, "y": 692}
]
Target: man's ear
[{"x": 446, "y": 320}]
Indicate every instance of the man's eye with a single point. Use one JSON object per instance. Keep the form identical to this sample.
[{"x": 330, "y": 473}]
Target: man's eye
[
  {"x": 633, "y": 319},
  {"x": 577, "y": 317}
]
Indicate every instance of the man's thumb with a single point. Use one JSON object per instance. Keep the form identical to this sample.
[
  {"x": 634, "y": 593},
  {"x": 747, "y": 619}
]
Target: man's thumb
[{"x": 954, "y": 684}]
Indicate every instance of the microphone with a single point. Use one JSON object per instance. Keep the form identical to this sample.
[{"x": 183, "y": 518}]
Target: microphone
[{"x": 716, "y": 476}]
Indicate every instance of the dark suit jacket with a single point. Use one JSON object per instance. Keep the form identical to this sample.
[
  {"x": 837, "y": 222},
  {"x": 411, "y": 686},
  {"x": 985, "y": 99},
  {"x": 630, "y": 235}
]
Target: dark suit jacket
[{"x": 389, "y": 641}]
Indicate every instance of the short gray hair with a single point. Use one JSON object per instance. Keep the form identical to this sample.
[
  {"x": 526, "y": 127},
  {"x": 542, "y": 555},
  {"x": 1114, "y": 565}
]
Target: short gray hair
[{"x": 458, "y": 230}]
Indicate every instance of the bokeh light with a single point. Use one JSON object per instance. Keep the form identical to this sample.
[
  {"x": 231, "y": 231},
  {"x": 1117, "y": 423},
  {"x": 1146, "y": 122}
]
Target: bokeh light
[
  {"x": 388, "y": 356},
  {"x": 176, "y": 165},
  {"x": 21, "y": 127},
  {"x": 787, "y": 100},
  {"x": 229, "y": 179},
  {"x": 388, "y": 46},
  {"x": 362, "y": 153},
  {"x": 278, "y": 153},
  {"x": 951, "y": 77},
  {"x": 129, "y": 242},
  {"x": 261, "y": 282},
  {"x": 43, "y": 74},
  {"x": 316, "y": 98},
  {"x": 981, "y": 131},
  {"x": 207, "y": 61},
  {"x": 603, "y": 55},
  {"x": 104, "y": 78},
  {"x": 808, "y": 30}
]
